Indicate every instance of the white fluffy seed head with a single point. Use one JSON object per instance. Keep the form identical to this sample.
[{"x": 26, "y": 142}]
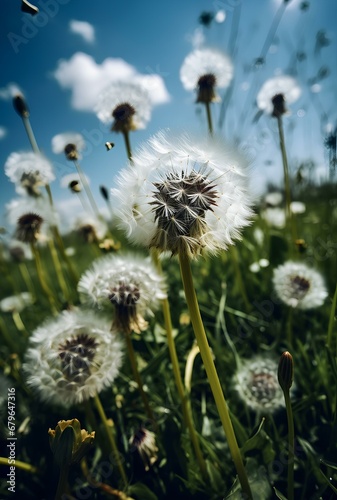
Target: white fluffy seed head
[
  {"x": 299, "y": 286},
  {"x": 60, "y": 141},
  {"x": 29, "y": 171},
  {"x": 183, "y": 193},
  {"x": 280, "y": 85},
  {"x": 72, "y": 358}
]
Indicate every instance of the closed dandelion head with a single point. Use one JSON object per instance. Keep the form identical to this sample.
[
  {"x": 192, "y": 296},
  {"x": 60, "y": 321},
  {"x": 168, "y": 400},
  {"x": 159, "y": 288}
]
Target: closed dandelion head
[
  {"x": 69, "y": 143},
  {"x": 130, "y": 283},
  {"x": 257, "y": 385},
  {"x": 276, "y": 93},
  {"x": 183, "y": 194},
  {"x": 72, "y": 358},
  {"x": 126, "y": 104},
  {"x": 204, "y": 70},
  {"x": 28, "y": 227},
  {"x": 144, "y": 442},
  {"x": 29, "y": 171},
  {"x": 299, "y": 286}
]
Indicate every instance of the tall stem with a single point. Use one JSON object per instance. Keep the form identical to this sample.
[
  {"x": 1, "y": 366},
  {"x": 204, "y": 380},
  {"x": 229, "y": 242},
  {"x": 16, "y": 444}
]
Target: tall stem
[
  {"x": 87, "y": 188},
  {"x": 111, "y": 439},
  {"x": 291, "y": 443},
  {"x": 127, "y": 145},
  {"x": 184, "y": 398},
  {"x": 332, "y": 319},
  {"x": 209, "y": 117},
  {"x": 137, "y": 377},
  {"x": 234, "y": 254},
  {"x": 63, "y": 481},
  {"x": 42, "y": 279},
  {"x": 289, "y": 215},
  {"x": 59, "y": 271},
  {"x": 30, "y": 134},
  {"x": 212, "y": 375},
  {"x": 27, "y": 279}
]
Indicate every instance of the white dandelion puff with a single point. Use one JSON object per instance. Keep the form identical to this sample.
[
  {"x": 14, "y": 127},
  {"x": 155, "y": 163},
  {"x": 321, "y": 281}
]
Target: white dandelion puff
[
  {"x": 283, "y": 88},
  {"x": 60, "y": 142},
  {"x": 127, "y": 104},
  {"x": 72, "y": 358},
  {"x": 16, "y": 303},
  {"x": 257, "y": 385},
  {"x": 299, "y": 286},
  {"x": 130, "y": 283},
  {"x": 29, "y": 171},
  {"x": 184, "y": 194}
]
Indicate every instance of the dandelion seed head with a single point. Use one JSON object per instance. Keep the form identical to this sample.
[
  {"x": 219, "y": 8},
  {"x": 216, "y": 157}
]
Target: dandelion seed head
[
  {"x": 276, "y": 93},
  {"x": 183, "y": 194},
  {"x": 299, "y": 286},
  {"x": 257, "y": 385},
  {"x": 72, "y": 358},
  {"x": 144, "y": 442},
  {"x": 16, "y": 303},
  {"x": 29, "y": 171},
  {"x": 127, "y": 103},
  {"x": 69, "y": 143}
]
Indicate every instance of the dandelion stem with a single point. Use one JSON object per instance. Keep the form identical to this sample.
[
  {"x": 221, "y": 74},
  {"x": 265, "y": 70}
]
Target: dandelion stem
[
  {"x": 58, "y": 270},
  {"x": 111, "y": 439},
  {"x": 209, "y": 117},
  {"x": 20, "y": 465},
  {"x": 184, "y": 398},
  {"x": 235, "y": 261},
  {"x": 137, "y": 377},
  {"x": 65, "y": 257},
  {"x": 127, "y": 145},
  {"x": 18, "y": 322},
  {"x": 43, "y": 282},
  {"x": 30, "y": 134},
  {"x": 289, "y": 215},
  {"x": 291, "y": 454},
  {"x": 63, "y": 481},
  {"x": 27, "y": 279},
  {"x": 212, "y": 375},
  {"x": 332, "y": 320},
  {"x": 87, "y": 189}
]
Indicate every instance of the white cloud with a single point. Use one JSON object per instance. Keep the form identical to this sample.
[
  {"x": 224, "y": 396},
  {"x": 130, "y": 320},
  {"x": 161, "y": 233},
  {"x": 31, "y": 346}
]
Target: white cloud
[
  {"x": 86, "y": 79},
  {"x": 3, "y": 132},
  {"x": 84, "y": 29},
  {"x": 9, "y": 91}
]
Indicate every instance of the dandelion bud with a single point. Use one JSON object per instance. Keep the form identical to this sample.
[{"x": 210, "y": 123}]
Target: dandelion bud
[
  {"x": 29, "y": 8},
  {"x": 104, "y": 192},
  {"x": 206, "y": 86},
  {"x": 285, "y": 372},
  {"x": 123, "y": 118},
  {"x": 20, "y": 106},
  {"x": 75, "y": 187},
  {"x": 69, "y": 443},
  {"x": 278, "y": 102},
  {"x": 71, "y": 152}
]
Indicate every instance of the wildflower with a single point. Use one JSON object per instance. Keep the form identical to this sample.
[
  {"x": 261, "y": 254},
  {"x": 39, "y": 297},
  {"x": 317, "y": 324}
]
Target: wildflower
[
  {"x": 29, "y": 171},
  {"x": 70, "y": 447},
  {"x": 69, "y": 143},
  {"x": 299, "y": 286},
  {"x": 127, "y": 103},
  {"x": 183, "y": 195},
  {"x": 72, "y": 358},
  {"x": 286, "y": 371},
  {"x": 144, "y": 442},
  {"x": 28, "y": 227},
  {"x": 19, "y": 213},
  {"x": 130, "y": 283},
  {"x": 16, "y": 303},
  {"x": 205, "y": 69},
  {"x": 257, "y": 384},
  {"x": 276, "y": 92}
]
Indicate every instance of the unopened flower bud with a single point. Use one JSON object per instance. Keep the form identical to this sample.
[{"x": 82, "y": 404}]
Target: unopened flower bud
[
  {"x": 69, "y": 443},
  {"x": 279, "y": 105},
  {"x": 20, "y": 106},
  {"x": 104, "y": 192},
  {"x": 285, "y": 372},
  {"x": 74, "y": 186},
  {"x": 71, "y": 152}
]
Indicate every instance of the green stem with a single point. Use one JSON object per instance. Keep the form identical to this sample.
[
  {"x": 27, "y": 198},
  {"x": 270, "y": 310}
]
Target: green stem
[
  {"x": 291, "y": 443},
  {"x": 20, "y": 465},
  {"x": 30, "y": 134},
  {"x": 184, "y": 398},
  {"x": 59, "y": 272},
  {"x": 209, "y": 117},
  {"x": 65, "y": 257},
  {"x": 332, "y": 320},
  {"x": 289, "y": 215},
  {"x": 127, "y": 145},
  {"x": 43, "y": 282},
  {"x": 111, "y": 439},
  {"x": 87, "y": 189},
  {"x": 27, "y": 279},
  {"x": 63, "y": 481},
  {"x": 235, "y": 260},
  {"x": 18, "y": 322},
  {"x": 212, "y": 375},
  {"x": 137, "y": 377}
]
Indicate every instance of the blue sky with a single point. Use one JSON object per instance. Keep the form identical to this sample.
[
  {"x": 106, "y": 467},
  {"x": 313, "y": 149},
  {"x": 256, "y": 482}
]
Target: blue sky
[{"x": 153, "y": 38}]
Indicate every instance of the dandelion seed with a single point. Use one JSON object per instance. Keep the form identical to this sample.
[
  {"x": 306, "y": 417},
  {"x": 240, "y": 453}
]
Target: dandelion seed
[
  {"x": 299, "y": 286},
  {"x": 184, "y": 194},
  {"x": 257, "y": 385},
  {"x": 130, "y": 283},
  {"x": 72, "y": 358}
]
